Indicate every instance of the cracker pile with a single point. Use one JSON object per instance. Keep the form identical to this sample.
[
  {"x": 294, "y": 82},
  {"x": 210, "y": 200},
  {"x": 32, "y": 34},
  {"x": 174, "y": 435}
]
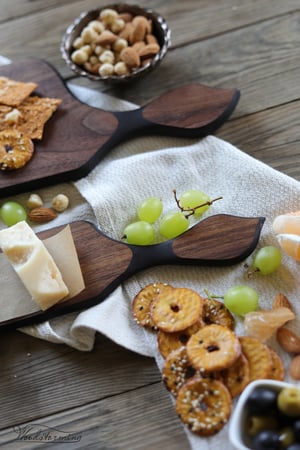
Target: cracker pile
[
  {"x": 206, "y": 364},
  {"x": 23, "y": 112},
  {"x": 22, "y": 119}
]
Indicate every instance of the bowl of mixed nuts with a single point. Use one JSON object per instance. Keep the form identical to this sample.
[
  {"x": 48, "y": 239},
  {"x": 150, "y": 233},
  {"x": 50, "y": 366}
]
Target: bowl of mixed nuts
[{"x": 116, "y": 43}]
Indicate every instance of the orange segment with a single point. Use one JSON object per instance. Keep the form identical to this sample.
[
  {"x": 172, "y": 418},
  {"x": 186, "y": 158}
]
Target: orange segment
[
  {"x": 290, "y": 244},
  {"x": 287, "y": 223}
]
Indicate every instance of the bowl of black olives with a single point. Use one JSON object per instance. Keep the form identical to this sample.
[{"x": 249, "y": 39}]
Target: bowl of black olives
[{"x": 267, "y": 417}]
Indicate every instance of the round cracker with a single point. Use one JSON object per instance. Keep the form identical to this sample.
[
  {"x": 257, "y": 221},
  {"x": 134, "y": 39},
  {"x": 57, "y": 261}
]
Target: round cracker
[
  {"x": 258, "y": 356},
  {"x": 142, "y": 302},
  {"x": 176, "y": 309},
  {"x": 16, "y": 149},
  {"x": 213, "y": 347},
  {"x": 167, "y": 342},
  {"x": 215, "y": 312},
  {"x": 204, "y": 405},
  {"x": 237, "y": 376},
  {"x": 177, "y": 370}
]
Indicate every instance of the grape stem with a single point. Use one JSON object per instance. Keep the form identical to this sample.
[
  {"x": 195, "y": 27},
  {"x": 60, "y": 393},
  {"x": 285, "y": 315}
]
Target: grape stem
[
  {"x": 191, "y": 211},
  {"x": 209, "y": 295},
  {"x": 250, "y": 272}
]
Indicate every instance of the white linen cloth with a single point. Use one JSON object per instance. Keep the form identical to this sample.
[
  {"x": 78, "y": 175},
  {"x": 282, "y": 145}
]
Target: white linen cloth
[{"x": 154, "y": 166}]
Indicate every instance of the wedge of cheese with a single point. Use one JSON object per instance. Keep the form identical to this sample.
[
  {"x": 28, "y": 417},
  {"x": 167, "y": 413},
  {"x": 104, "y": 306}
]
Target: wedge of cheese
[{"x": 34, "y": 264}]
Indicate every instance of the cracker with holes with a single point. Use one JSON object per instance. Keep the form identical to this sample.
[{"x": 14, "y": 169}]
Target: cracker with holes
[
  {"x": 167, "y": 342},
  {"x": 204, "y": 405},
  {"x": 258, "y": 356},
  {"x": 16, "y": 149},
  {"x": 176, "y": 309},
  {"x": 177, "y": 370},
  {"x": 212, "y": 348},
  {"x": 142, "y": 302}
]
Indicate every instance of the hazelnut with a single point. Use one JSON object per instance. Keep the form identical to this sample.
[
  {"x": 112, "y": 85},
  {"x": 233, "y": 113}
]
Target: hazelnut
[
  {"x": 60, "y": 202},
  {"x": 34, "y": 201}
]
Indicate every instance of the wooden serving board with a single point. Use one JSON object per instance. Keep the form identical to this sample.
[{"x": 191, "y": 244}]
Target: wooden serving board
[
  {"x": 105, "y": 263},
  {"x": 77, "y": 136}
]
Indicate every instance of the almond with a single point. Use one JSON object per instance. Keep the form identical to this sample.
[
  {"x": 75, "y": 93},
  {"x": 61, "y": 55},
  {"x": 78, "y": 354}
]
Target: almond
[
  {"x": 130, "y": 57},
  {"x": 139, "y": 29},
  {"x": 42, "y": 215},
  {"x": 149, "y": 51},
  {"x": 295, "y": 368},
  {"x": 281, "y": 301},
  {"x": 151, "y": 39},
  {"x": 106, "y": 38},
  {"x": 288, "y": 340}
]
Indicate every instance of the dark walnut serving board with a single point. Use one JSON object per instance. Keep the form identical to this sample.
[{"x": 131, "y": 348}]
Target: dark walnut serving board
[
  {"x": 105, "y": 263},
  {"x": 77, "y": 136}
]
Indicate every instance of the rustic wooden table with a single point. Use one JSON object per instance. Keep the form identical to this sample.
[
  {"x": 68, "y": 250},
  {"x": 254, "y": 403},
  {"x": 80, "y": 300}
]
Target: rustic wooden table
[{"x": 112, "y": 398}]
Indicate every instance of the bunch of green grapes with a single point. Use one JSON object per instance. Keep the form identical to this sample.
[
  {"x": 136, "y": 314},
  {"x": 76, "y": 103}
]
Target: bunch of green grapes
[{"x": 171, "y": 224}]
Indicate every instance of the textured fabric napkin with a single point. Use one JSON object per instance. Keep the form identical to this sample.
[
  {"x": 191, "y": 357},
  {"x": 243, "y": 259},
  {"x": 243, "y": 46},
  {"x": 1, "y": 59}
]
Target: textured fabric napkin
[{"x": 154, "y": 166}]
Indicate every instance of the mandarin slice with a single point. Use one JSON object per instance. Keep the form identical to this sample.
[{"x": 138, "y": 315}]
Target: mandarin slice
[
  {"x": 290, "y": 244},
  {"x": 287, "y": 223},
  {"x": 263, "y": 324}
]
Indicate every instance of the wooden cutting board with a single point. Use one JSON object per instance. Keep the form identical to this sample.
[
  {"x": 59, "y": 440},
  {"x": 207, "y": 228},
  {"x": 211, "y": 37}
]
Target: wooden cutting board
[
  {"x": 77, "y": 136},
  {"x": 105, "y": 263}
]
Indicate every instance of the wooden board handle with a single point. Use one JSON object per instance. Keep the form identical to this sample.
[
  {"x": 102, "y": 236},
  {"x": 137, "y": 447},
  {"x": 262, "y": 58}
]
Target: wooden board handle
[
  {"x": 105, "y": 263},
  {"x": 221, "y": 239},
  {"x": 193, "y": 110}
]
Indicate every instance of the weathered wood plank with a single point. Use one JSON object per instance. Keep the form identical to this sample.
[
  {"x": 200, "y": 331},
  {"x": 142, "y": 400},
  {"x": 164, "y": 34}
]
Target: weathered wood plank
[
  {"x": 262, "y": 61},
  {"x": 41, "y": 32},
  {"x": 272, "y": 136},
  {"x": 100, "y": 424},
  {"x": 197, "y": 20},
  {"x": 56, "y": 377},
  {"x": 18, "y": 8}
]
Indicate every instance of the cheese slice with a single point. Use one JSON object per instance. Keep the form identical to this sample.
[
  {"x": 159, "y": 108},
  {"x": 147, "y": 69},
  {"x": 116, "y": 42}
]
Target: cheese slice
[{"x": 34, "y": 264}]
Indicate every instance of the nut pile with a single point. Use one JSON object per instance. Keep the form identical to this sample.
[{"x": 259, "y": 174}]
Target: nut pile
[
  {"x": 115, "y": 44},
  {"x": 41, "y": 214}
]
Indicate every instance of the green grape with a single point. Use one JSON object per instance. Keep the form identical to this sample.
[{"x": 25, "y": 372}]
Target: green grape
[
  {"x": 193, "y": 198},
  {"x": 241, "y": 299},
  {"x": 150, "y": 210},
  {"x": 173, "y": 224},
  {"x": 267, "y": 260},
  {"x": 12, "y": 213},
  {"x": 139, "y": 233}
]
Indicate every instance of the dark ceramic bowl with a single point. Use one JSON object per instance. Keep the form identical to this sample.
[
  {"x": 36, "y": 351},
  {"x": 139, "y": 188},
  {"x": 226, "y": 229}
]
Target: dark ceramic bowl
[{"x": 160, "y": 30}]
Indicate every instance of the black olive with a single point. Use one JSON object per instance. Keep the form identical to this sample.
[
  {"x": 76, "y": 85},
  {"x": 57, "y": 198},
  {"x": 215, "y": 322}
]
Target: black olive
[
  {"x": 262, "y": 400},
  {"x": 266, "y": 440}
]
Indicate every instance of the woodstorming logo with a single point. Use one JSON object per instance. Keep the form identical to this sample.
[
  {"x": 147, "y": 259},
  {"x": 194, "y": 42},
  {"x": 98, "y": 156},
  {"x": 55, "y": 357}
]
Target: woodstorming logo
[{"x": 43, "y": 433}]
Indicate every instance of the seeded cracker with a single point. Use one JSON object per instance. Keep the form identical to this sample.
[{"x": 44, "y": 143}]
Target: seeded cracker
[
  {"x": 34, "y": 113},
  {"x": 12, "y": 93},
  {"x": 16, "y": 149},
  {"x": 204, "y": 405}
]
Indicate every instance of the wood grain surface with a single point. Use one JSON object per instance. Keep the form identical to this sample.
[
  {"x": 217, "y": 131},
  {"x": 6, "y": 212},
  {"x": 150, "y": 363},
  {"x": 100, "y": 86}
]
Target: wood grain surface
[{"x": 112, "y": 397}]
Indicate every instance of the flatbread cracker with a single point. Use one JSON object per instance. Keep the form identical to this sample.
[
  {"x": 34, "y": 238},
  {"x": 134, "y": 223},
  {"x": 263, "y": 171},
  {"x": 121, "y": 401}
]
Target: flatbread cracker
[
  {"x": 34, "y": 113},
  {"x": 13, "y": 93}
]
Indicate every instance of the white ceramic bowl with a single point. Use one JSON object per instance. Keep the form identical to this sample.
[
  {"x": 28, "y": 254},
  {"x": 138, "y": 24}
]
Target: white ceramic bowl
[{"x": 237, "y": 435}]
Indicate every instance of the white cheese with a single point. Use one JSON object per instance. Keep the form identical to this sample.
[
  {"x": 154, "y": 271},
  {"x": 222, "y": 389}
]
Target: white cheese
[{"x": 34, "y": 264}]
